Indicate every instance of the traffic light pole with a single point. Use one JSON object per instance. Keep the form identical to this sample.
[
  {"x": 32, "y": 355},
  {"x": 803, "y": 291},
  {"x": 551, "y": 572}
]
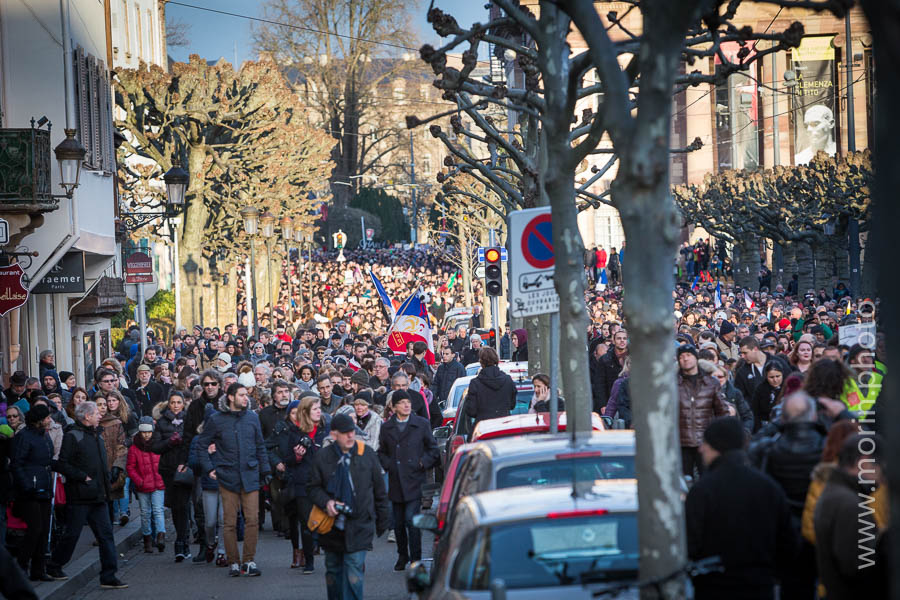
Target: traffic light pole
[{"x": 495, "y": 302}]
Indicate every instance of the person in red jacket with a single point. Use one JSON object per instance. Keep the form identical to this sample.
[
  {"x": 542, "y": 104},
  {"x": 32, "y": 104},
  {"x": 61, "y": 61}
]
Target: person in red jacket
[{"x": 143, "y": 469}]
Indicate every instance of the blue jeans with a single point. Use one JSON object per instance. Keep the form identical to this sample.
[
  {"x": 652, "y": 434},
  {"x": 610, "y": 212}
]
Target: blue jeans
[
  {"x": 120, "y": 506},
  {"x": 97, "y": 517},
  {"x": 344, "y": 573},
  {"x": 153, "y": 518}
]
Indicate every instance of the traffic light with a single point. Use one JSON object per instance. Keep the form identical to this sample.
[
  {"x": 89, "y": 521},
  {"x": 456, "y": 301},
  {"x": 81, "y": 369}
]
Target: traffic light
[{"x": 493, "y": 274}]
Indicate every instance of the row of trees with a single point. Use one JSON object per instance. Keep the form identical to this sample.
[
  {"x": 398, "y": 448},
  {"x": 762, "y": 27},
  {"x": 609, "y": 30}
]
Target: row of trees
[
  {"x": 804, "y": 209},
  {"x": 618, "y": 89}
]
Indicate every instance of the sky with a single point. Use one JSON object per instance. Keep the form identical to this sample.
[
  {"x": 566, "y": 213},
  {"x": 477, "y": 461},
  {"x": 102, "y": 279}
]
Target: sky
[{"x": 213, "y": 36}]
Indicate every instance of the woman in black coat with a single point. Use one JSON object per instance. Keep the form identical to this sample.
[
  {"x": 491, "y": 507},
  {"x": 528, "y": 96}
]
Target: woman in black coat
[
  {"x": 768, "y": 393},
  {"x": 32, "y": 453},
  {"x": 168, "y": 441},
  {"x": 296, "y": 442}
]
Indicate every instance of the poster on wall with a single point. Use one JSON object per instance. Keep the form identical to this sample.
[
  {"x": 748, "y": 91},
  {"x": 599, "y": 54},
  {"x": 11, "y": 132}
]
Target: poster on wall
[
  {"x": 87, "y": 343},
  {"x": 103, "y": 347},
  {"x": 737, "y": 113},
  {"x": 814, "y": 102}
]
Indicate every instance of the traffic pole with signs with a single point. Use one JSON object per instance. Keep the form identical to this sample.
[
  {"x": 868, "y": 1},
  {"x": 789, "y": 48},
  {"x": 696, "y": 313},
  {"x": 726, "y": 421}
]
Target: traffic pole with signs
[
  {"x": 531, "y": 283},
  {"x": 139, "y": 270}
]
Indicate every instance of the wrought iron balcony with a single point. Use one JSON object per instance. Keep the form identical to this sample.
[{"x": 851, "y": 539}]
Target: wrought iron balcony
[{"x": 25, "y": 163}]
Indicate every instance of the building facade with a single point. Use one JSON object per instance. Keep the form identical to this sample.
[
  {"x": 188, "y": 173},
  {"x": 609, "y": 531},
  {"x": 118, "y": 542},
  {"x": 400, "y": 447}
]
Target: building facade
[{"x": 65, "y": 246}]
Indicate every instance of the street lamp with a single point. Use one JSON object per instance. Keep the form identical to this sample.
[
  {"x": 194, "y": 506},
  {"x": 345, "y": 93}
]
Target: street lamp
[
  {"x": 190, "y": 271},
  {"x": 177, "y": 180},
  {"x": 299, "y": 238},
  {"x": 69, "y": 154},
  {"x": 250, "y": 215},
  {"x": 267, "y": 229},
  {"x": 287, "y": 234}
]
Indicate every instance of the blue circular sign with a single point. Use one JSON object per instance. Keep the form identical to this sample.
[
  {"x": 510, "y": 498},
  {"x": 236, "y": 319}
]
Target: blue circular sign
[{"x": 537, "y": 242}]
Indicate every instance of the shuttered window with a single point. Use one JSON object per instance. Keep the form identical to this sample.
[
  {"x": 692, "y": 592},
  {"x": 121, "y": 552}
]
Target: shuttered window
[{"x": 94, "y": 111}]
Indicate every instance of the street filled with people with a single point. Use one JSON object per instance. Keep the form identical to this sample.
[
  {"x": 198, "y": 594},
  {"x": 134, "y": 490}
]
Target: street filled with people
[{"x": 327, "y": 428}]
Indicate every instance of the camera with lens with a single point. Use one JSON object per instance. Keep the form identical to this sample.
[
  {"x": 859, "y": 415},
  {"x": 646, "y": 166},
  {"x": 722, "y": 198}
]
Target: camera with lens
[
  {"x": 343, "y": 509},
  {"x": 306, "y": 442}
]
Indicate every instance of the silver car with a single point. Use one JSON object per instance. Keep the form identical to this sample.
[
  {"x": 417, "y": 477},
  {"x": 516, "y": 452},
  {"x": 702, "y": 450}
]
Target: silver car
[{"x": 540, "y": 542}]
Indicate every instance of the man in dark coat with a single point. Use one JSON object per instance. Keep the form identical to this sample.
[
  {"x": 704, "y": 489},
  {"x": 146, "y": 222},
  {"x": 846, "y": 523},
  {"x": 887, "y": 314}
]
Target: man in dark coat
[
  {"x": 471, "y": 355},
  {"x": 82, "y": 460},
  {"x": 348, "y": 472},
  {"x": 789, "y": 457},
  {"x": 269, "y": 417},
  {"x": 750, "y": 373},
  {"x": 241, "y": 466},
  {"x": 845, "y": 524},
  {"x": 449, "y": 371},
  {"x": 492, "y": 393},
  {"x": 610, "y": 368},
  {"x": 147, "y": 392},
  {"x": 739, "y": 514},
  {"x": 432, "y": 413},
  {"x": 407, "y": 450}
]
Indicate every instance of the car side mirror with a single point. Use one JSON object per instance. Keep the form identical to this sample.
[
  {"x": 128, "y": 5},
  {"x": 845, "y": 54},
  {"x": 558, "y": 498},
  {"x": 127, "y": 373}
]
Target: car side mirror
[
  {"x": 425, "y": 521},
  {"x": 441, "y": 432},
  {"x": 418, "y": 579}
]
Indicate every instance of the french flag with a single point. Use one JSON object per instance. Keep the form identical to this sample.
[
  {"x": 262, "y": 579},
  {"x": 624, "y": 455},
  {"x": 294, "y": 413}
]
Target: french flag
[
  {"x": 748, "y": 301},
  {"x": 411, "y": 325},
  {"x": 718, "y": 296}
]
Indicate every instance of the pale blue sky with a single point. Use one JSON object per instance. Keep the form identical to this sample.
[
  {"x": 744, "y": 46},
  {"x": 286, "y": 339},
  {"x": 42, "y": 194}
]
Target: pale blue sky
[{"x": 213, "y": 35}]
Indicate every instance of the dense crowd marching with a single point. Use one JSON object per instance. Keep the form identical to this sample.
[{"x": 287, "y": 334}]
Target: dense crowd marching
[{"x": 317, "y": 421}]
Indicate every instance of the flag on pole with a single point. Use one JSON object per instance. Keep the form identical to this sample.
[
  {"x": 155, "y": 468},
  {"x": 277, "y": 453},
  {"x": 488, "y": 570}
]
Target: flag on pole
[
  {"x": 748, "y": 301},
  {"x": 385, "y": 299},
  {"x": 694, "y": 285},
  {"x": 411, "y": 325},
  {"x": 718, "y": 296}
]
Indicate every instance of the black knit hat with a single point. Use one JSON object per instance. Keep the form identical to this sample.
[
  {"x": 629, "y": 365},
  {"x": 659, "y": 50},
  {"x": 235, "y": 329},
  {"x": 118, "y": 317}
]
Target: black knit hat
[
  {"x": 686, "y": 348},
  {"x": 38, "y": 413},
  {"x": 726, "y": 327},
  {"x": 724, "y": 434}
]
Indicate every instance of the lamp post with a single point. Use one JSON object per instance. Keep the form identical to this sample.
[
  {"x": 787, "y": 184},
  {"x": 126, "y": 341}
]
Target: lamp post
[
  {"x": 190, "y": 272},
  {"x": 300, "y": 238},
  {"x": 69, "y": 154},
  {"x": 267, "y": 229},
  {"x": 287, "y": 235},
  {"x": 250, "y": 216}
]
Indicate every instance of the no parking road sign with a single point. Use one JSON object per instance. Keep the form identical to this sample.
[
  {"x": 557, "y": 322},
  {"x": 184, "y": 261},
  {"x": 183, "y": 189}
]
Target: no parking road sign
[{"x": 531, "y": 263}]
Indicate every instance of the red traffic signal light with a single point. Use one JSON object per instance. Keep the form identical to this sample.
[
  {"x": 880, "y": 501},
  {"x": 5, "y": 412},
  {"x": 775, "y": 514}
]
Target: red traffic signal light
[
  {"x": 493, "y": 274},
  {"x": 492, "y": 255}
]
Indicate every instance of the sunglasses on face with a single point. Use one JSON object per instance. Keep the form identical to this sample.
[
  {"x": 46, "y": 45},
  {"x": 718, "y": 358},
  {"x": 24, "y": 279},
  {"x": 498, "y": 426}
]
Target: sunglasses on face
[{"x": 210, "y": 384}]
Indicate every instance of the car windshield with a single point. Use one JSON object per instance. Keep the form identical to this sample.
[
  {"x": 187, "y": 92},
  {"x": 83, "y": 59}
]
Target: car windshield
[
  {"x": 555, "y": 472},
  {"x": 523, "y": 401},
  {"x": 458, "y": 392},
  {"x": 550, "y": 552}
]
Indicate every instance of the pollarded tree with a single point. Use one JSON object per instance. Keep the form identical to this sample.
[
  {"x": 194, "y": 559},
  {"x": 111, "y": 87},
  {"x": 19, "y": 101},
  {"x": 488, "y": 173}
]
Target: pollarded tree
[
  {"x": 627, "y": 78},
  {"x": 238, "y": 133},
  {"x": 784, "y": 204}
]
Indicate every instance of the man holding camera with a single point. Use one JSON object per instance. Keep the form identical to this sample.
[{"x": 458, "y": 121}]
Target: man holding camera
[{"x": 346, "y": 482}]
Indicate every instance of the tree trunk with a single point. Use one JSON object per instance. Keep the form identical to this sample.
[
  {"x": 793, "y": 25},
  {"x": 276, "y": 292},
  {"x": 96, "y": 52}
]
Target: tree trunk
[
  {"x": 192, "y": 239},
  {"x": 789, "y": 250},
  {"x": 747, "y": 263},
  {"x": 824, "y": 257},
  {"x": 805, "y": 267},
  {"x": 777, "y": 265},
  {"x": 869, "y": 277},
  {"x": 884, "y": 20},
  {"x": 226, "y": 297}
]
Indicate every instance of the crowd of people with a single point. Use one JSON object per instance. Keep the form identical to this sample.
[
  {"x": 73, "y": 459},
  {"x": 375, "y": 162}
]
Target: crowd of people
[{"x": 319, "y": 423}]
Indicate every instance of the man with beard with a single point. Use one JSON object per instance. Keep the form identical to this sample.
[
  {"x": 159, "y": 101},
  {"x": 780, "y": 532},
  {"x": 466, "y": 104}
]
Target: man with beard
[{"x": 147, "y": 392}]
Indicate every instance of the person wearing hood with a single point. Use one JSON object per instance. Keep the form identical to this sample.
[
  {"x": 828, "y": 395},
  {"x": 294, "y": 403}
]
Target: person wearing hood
[
  {"x": 520, "y": 345},
  {"x": 735, "y": 501},
  {"x": 50, "y": 383},
  {"x": 142, "y": 466},
  {"x": 492, "y": 393},
  {"x": 241, "y": 467},
  {"x": 259, "y": 354}
]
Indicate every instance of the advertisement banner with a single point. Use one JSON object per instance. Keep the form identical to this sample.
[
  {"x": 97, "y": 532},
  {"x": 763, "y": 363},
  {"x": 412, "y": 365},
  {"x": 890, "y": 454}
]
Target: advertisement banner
[
  {"x": 737, "y": 113},
  {"x": 67, "y": 277},
  {"x": 814, "y": 100}
]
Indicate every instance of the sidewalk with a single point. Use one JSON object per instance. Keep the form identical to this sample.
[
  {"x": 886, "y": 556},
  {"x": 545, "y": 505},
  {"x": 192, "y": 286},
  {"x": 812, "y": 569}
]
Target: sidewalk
[{"x": 85, "y": 564}]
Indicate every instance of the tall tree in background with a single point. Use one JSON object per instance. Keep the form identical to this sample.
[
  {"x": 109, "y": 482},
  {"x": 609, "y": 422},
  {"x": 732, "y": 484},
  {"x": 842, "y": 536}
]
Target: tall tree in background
[
  {"x": 631, "y": 98},
  {"x": 339, "y": 72},
  {"x": 240, "y": 135}
]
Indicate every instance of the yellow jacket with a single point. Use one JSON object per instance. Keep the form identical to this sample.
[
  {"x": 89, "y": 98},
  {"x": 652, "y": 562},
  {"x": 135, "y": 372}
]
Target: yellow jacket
[{"x": 880, "y": 506}]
